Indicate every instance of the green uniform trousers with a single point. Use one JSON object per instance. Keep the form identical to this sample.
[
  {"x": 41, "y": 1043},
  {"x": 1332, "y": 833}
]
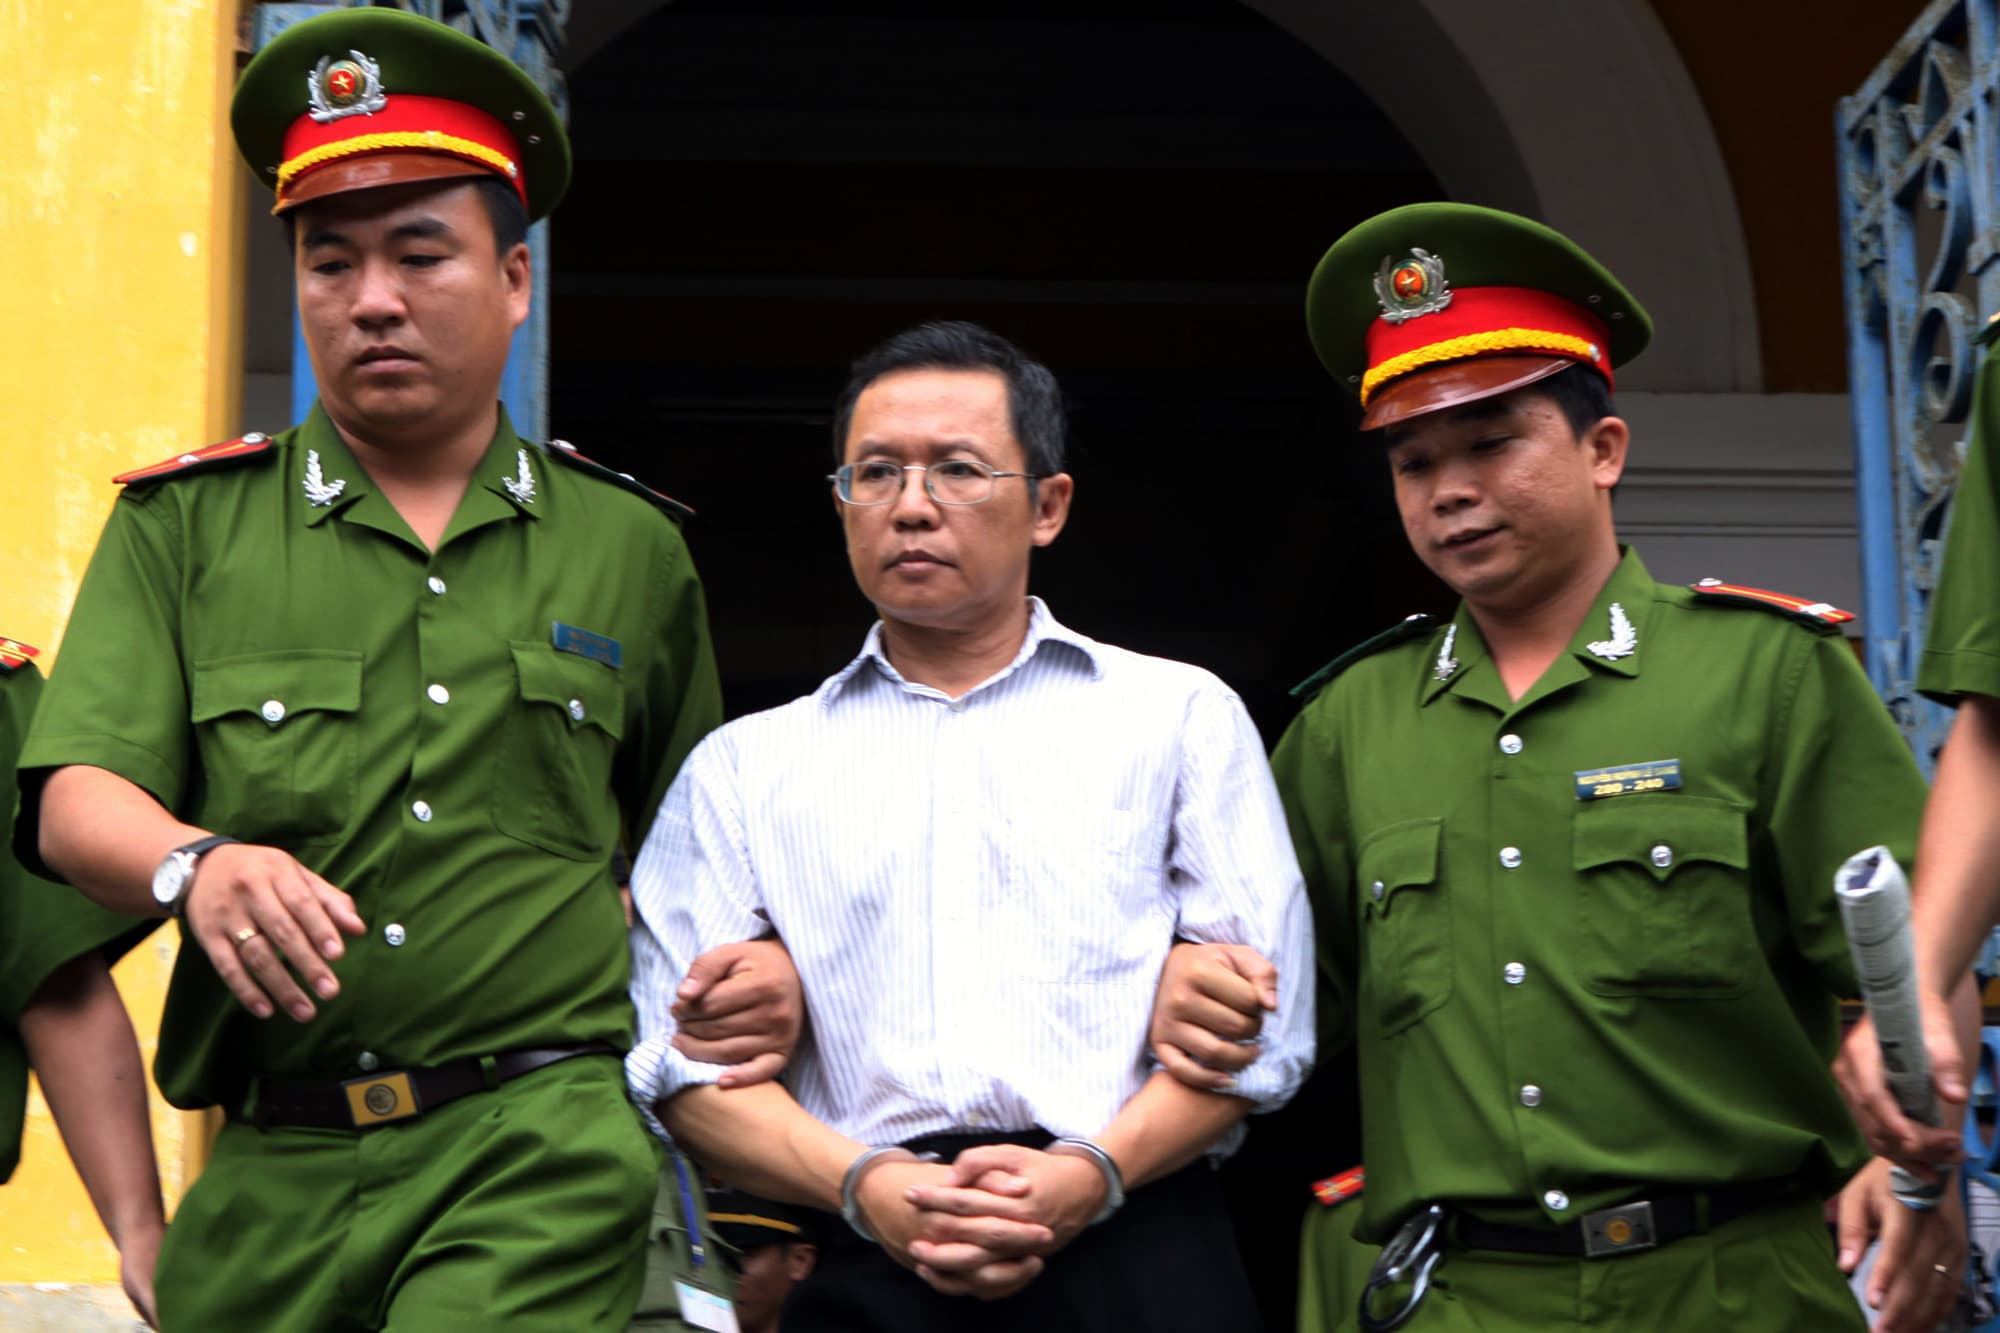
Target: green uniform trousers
[
  {"x": 1769, "y": 1272},
  {"x": 522, "y": 1208}
]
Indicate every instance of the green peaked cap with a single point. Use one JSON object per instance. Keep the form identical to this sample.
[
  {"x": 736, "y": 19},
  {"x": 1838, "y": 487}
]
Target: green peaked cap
[
  {"x": 1476, "y": 247},
  {"x": 410, "y": 56}
]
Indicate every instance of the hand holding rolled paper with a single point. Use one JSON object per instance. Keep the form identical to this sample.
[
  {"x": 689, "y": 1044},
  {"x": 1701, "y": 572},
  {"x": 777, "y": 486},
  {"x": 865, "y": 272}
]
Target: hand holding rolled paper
[{"x": 1875, "y": 906}]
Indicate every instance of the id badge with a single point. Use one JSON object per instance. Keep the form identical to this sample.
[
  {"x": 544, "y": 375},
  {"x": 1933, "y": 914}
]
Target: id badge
[{"x": 705, "y": 1309}]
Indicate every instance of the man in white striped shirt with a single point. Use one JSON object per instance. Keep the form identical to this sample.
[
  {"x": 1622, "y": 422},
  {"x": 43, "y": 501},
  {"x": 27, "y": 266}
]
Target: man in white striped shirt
[{"x": 979, "y": 840}]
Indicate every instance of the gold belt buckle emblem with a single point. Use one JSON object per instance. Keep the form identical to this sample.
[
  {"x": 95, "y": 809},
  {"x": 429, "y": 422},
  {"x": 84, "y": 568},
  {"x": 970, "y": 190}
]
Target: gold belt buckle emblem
[
  {"x": 381, "y": 1098},
  {"x": 1621, "y": 1230}
]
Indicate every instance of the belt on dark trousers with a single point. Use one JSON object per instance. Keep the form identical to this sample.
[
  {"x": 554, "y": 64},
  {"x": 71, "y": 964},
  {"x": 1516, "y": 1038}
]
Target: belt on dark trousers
[
  {"x": 391, "y": 1095},
  {"x": 1640, "y": 1224}
]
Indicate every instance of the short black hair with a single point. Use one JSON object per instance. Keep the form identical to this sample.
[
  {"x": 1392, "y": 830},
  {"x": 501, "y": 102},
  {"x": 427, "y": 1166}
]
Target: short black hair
[
  {"x": 504, "y": 210},
  {"x": 1581, "y": 394},
  {"x": 1034, "y": 401}
]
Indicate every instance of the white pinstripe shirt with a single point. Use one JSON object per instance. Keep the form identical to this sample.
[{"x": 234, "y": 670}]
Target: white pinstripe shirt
[{"x": 978, "y": 893}]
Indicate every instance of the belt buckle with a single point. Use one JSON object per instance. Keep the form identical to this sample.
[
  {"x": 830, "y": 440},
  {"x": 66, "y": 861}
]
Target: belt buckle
[
  {"x": 1621, "y": 1230},
  {"x": 381, "y": 1098}
]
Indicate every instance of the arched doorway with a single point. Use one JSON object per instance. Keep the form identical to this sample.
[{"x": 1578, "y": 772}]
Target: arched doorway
[{"x": 1133, "y": 192}]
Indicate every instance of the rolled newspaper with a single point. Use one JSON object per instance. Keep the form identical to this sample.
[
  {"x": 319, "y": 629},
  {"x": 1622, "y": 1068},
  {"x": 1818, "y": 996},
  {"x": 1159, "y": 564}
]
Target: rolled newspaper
[{"x": 1875, "y": 906}]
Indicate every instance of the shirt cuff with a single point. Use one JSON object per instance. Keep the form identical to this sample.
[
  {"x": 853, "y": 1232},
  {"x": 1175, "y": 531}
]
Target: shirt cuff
[
  {"x": 1272, "y": 1081},
  {"x": 655, "y": 1071}
]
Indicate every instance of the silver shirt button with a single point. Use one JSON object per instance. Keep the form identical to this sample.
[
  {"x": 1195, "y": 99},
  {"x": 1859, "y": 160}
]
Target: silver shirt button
[
  {"x": 1663, "y": 855},
  {"x": 436, "y": 584},
  {"x": 368, "y": 1061},
  {"x": 1531, "y": 1096},
  {"x": 576, "y": 710},
  {"x": 1515, "y": 974},
  {"x": 1510, "y": 857},
  {"x": 1510, "y": 744},
  {"x": 1556, "y": 1200},
  {"x": 1378, "y": 889},
  {"x": 422, "y": 810},
  {"x": 395, "y": 934},
  {"x": 958, "y": 705},
  {"x": 273, "y": 711},
  {"x": 439, "y": 694}
]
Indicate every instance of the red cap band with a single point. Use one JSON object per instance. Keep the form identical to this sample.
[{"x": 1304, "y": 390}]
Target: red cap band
[
  {"x": 1486, "y": 321},
  {"x": 409, "y": 123}
]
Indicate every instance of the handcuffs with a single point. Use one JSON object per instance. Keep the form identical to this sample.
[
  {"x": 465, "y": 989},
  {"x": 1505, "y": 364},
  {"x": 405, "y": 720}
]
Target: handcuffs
[{"x": 1410, "y": 1256}]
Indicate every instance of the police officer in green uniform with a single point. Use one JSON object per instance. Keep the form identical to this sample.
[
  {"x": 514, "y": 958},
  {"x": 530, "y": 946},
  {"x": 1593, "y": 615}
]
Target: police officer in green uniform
[
  {"x": 60, "y": 1013},
  {"x": 365, "y": 705},
  {"x": 1572, "y": 850},
  {"x": 1957, "y": 886}
]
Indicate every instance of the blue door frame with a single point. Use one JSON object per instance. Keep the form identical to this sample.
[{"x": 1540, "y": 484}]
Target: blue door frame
[{"x": 1919, "y": 208}]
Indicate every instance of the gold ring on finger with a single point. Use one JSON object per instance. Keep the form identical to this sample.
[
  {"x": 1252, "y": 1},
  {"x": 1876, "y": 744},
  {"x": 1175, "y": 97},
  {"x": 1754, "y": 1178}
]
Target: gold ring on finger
[
  {"x": 1940, "y": 1270},
  {"x": 245, "y": 935}
]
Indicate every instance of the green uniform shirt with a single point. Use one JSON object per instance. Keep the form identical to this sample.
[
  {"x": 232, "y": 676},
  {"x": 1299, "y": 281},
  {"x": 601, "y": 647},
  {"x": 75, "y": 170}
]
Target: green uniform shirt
[
  {"x": 1962, "y": 648},
  {"x": 1558, "y": 1001},
  {"x": 42, "y": 925},
  {"x": 308, "y": 676}
]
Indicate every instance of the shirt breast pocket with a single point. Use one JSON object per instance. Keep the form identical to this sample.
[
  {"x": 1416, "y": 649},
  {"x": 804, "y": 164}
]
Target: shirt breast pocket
[
  {"x": 1082, "y": 898},
  {"x": 552, "y": 786},
  {"x": 1406, "y": 922},
  {"x": 276, "y": 733},
  {"x": 1665, "y": 892}
]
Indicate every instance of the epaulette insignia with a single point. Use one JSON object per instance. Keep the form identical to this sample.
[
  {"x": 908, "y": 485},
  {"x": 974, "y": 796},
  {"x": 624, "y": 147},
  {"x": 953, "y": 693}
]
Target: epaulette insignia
[
  {"x": 214, "y": 456},
  {"x": 1989, "y": 330},
  {"x": 15, "y": 654},
  {"x": 566, "y": 452},
  {"x": 1410, "y": 627},
  {"x": 1340, "y": 1188},
  {"x": 1813, "y": 613}
]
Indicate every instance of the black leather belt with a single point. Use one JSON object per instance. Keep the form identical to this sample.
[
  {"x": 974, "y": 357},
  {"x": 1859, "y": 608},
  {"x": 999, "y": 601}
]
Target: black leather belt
[
  {"x": 1640, "y": 1224},
  {"x": 396, "y": 1094}
]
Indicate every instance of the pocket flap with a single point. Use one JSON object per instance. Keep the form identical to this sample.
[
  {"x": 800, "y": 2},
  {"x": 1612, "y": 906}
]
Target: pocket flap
[
  {"x": 276, "y": 686},
  {"x": 1399, "y": 856},
  {"x": 587, "y": 693},
  {"x": 1661, "y": 832}
]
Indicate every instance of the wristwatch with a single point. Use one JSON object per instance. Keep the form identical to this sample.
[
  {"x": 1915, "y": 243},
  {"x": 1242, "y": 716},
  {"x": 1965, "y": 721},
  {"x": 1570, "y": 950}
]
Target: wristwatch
[{"x": 176, "y": 873}]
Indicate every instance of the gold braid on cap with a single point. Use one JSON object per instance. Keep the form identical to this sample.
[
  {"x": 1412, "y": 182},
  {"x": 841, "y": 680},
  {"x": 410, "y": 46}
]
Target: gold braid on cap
[
  {"x": 422, "y": 140},
  {"x": 1477, "y": 344}
]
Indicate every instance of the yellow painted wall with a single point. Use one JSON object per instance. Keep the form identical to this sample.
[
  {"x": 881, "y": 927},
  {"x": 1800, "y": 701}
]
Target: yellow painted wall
[{"x": 120, "y": 251}]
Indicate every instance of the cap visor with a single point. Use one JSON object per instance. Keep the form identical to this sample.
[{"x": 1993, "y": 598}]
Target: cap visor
[
  {"x": 372, "y": 171},
  {"x": 1456, "y": 383}
]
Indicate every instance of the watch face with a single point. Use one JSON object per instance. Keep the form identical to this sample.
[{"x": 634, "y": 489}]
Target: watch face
[{"x": 171, "y": 878}]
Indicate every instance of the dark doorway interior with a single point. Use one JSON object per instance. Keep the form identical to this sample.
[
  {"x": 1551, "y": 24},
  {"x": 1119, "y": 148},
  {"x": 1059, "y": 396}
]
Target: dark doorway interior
[{"x": 1133, "y": 192}]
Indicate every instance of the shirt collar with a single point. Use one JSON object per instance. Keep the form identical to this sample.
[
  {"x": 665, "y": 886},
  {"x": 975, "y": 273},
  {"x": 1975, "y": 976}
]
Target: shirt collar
[
  {"x": 328, "y": 472},
  {"x": 1613, "y": 643},
  {"x": 1043, "y": 628}
]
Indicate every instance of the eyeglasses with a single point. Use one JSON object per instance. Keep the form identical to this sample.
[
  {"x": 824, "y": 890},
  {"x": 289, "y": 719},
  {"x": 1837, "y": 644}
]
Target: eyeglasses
[{"x": 956, "y": 481}]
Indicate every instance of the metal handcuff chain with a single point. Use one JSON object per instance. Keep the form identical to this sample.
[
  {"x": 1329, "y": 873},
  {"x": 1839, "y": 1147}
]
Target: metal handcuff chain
[{"x": 1410, "y": 1256}]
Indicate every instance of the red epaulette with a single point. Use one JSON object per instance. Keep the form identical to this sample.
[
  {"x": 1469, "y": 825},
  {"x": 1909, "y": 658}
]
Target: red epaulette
[
  {"x": 1813, "y": 613},
  {"x": 1340, "y": 1188},
  {"x": 15, "y": 654},
  {"x": 566, "y": 452},
  {"x": 214, "y": 456}
]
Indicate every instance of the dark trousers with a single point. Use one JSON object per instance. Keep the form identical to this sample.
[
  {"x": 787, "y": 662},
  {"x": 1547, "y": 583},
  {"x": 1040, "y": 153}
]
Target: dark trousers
[{"x": 1164, "y": 1263}]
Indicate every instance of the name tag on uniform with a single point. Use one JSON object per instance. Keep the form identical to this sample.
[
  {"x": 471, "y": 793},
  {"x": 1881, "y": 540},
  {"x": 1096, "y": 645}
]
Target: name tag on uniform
[
  {"x": 570, "y": 639},
  {"x": 1625, "y": 779},
  {"x": 705, "y": 1309}
]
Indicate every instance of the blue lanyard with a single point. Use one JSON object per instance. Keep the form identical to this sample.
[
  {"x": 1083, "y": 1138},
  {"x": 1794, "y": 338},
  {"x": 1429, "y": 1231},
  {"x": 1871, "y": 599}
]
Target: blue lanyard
[{"x": 696, "y": 1249}]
